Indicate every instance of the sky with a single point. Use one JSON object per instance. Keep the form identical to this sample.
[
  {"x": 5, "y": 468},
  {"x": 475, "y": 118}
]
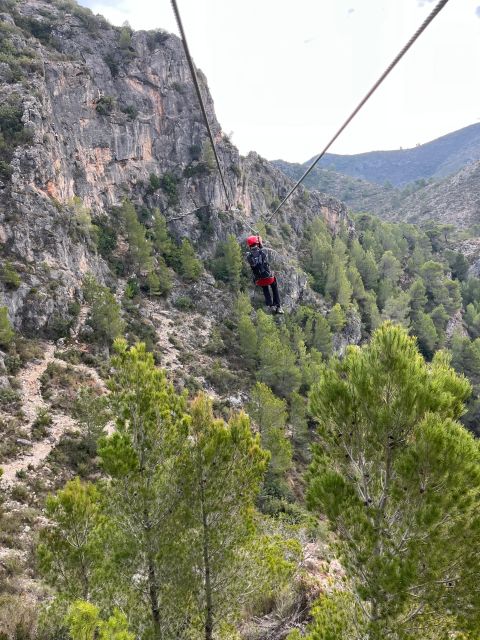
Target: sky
[{"x": 284, "y": 74}]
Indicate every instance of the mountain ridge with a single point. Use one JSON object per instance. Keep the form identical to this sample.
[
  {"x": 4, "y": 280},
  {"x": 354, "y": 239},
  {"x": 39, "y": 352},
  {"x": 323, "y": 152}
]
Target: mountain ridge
[{"x": 435, "y": 159}]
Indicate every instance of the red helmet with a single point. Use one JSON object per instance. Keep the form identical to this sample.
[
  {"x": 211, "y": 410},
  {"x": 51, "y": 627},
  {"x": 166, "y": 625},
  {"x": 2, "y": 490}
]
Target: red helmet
[{"x": 253, "y": 240}]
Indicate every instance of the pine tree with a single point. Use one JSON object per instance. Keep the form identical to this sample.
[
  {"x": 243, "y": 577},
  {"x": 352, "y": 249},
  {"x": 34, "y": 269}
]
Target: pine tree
[
  {"x": 105, "y": 317},
  {"x": 418, "y": 298},
  {"x": 453, "y": 300},
  {"x": 370, "y": 312},
  {"x": 297, "y": 418},
  {"x": 159, "y": 282},
  {"x": 221, "y": 476},
  {"x": 270, "y": 414},
  {"x": 368, "y": 270},
  {"x": 385, "y": 290},
  {"x": 319, "y": 255},
  {"x": 472, "y": 320},
  {"x": 356, "y": 282},
  {"x": 399, "y": 480},
  {"x": 397, "y": 309},
  {"x": 190, "y": 267},
  {"x": 278, "y": 367},
  {"x": 390, "y": 268},
  {"x": 426, "y": 333},
  {"x": 321, "y": 336},
  {"x": 471, "y": 291},
  {"x": 140, "y": 249},
  {"x": 466, "y": 356},
  {"x": 337, "y": 286},
  {"x": 162, "y": 240},
  {"x": 433, "y": 276},
  {"x": 7, "y": 334},
  {"x": 233, "y": 261},
  {"x": 336, "y": 616},
  {"x": 242, "y": 306},
  {"x": 90, "y": 409},
  {"x": 84, "y": 623},
  {"x": 247, "y": 337},
  {"x": 337, "y": 318},
  {"x": 70, "y": 548},
  {"x": 440, "y": 319},
  {"x": 141, "y": 497}
]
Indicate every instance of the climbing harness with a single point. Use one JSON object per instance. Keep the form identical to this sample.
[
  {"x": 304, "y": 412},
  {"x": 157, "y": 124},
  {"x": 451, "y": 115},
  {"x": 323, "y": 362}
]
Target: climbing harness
[{"x": 393, "y": 64}]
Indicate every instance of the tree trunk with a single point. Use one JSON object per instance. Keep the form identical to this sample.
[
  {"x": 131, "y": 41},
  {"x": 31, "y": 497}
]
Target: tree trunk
[
  {"x": 206, "y": 563},
  {"x": 153, "y": 592},
  {"x": 152, "y": 579}
]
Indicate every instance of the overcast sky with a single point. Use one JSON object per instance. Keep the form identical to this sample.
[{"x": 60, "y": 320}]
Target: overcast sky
[{"x": 284, "y": 74}]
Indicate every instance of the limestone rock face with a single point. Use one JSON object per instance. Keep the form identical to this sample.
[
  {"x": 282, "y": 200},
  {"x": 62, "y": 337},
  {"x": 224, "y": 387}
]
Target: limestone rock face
[{"x": 106, "y": 109}]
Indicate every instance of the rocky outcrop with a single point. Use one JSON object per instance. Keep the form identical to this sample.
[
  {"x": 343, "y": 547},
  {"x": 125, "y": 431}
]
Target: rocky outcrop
[
  {"x": 108, "y": 113},
  {"x": 454, "y": 200}
]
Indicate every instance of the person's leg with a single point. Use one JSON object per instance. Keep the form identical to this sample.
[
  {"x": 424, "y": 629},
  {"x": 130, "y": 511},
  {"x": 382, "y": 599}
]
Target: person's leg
[
  {"x": 276, "y": 296},
  {"x": 268, "y": 297}
]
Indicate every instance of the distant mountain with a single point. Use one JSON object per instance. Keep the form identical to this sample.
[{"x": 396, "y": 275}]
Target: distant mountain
[
  {"x": 359, "y": 195},
  {"x": 453, "y": 200},
  {"x": 437, "y": 159}
]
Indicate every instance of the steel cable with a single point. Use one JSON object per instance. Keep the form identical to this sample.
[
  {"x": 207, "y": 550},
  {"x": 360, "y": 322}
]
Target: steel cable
[
  {"x": 199, "y": 94},
  {"x": 393, "y": 64}
]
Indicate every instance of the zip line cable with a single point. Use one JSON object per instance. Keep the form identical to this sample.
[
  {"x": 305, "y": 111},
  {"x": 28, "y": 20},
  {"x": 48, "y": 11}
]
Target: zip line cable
[
  {"x": 393, "y": 64},
  {"x": 199, "y": 94}
]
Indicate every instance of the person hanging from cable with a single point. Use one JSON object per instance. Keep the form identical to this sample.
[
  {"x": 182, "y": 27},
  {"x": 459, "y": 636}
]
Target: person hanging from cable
[{"x": 263, "y": 276}]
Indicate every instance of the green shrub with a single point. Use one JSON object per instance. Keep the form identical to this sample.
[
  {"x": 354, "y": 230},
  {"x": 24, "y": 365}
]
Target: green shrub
[
  {"x": 105, "y": 105},
  {"x": 112, "y": 64},
  {"x": 58, "y": 326},
  {"x": 195, "y": 169},
  {"x": 235, "y": 169},
  {"x": 9, "y": 276},
  {"x": 106, "y": 238},
  {"x": 184, "y": 303},
  {"x": 9, "y": 400},
  {"x": 130, "y": 111},
  {"x": 221, "y": 378},
  {"x": 39, "y": 29},
  {"x": 168, "y": 184},
  {"x": 6, "y": 170},
  {"x": 12, "y": 131},
  {"x": 125, "y": 39},
  {"x": 105, "y": 318},
  {"x": 132, "y": 289},
  {"x": 13, "y": 363},
  {"x": 155, "y": 183},
  {"x": 20, "y": 493},
  {"x": 7, "y": 334},
  {"x": 190, "y": 267},
  {"x": 59, "y": 385},
  {"x": 41, "y": 425}
]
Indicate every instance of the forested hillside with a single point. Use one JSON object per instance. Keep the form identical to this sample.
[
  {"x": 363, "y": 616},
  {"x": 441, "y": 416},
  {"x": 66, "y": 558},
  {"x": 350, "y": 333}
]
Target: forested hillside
[{"x": 177, "y": 461}]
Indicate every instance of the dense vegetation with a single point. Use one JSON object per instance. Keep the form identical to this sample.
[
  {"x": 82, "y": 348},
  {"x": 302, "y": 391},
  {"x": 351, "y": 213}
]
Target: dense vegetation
[
  {"x": 170, "y": 514},
  {"x": 196, "y": 524},
  {"x": 405, "y": 274}
]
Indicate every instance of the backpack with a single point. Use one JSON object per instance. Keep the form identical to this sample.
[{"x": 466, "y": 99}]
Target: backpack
[{"x": 258, "y": 262}]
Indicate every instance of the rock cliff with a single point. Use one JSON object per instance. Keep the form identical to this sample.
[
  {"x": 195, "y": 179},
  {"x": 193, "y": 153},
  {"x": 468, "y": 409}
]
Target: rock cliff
[{"x": 107, "y": 113}]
